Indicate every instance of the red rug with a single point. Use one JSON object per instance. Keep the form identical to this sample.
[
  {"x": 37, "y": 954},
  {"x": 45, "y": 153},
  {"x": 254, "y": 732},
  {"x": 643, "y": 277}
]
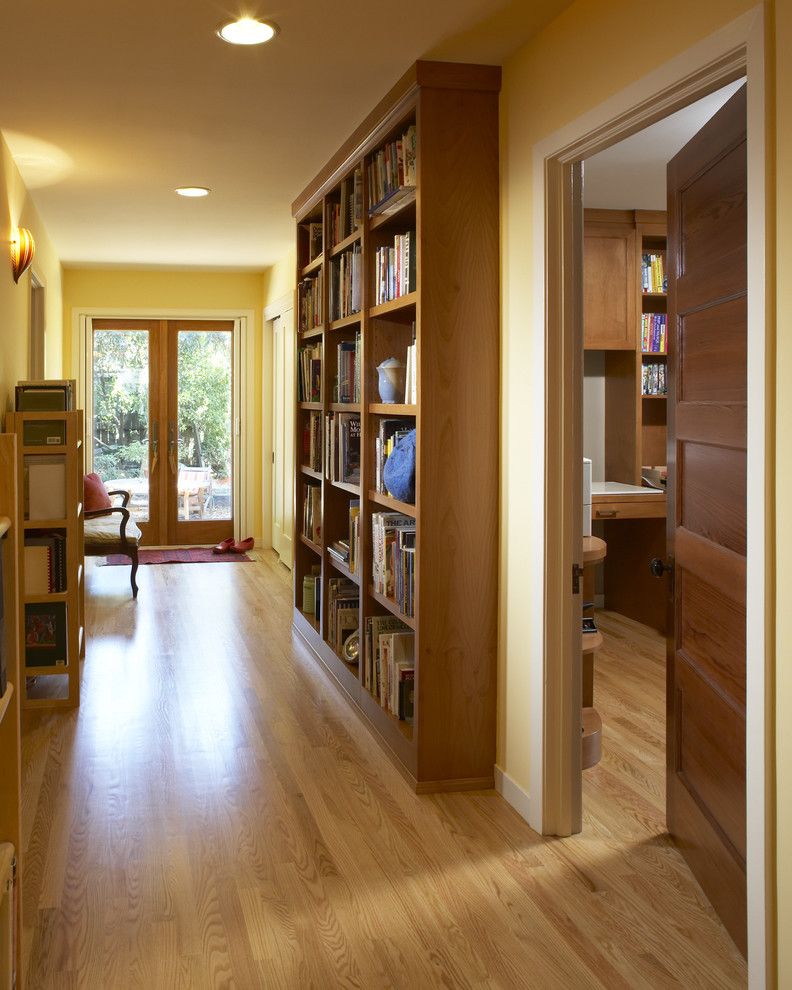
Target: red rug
[{"x": 190, "y": 555}]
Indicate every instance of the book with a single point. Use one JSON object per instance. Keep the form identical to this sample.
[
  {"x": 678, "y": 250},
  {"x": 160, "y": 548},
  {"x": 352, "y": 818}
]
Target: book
[
  {"x": 354, "y": 534},
  {"x": 45, "y": 487},
  {"x": 392, "y": 173},
  {"x": 347, "y": 386},
  {"x": 309, "y": 373},
  {"x": 312, "y": 513},
  {"x": 345, "y": 283},
  {"x": 309, "y": 302},
  {"x": 395, "y": 268},
  {"x": 312, "y": 441},
  {"x": 343, "y": 599},
  {"x": 314, "y": 241},
  {"x": 376, "y": 626},
  {"x": 38, "y": 570},
  {"x": 45, "y": 634},
  {"x": 348, "y": 448},
  {"x": 385, "y": 565},
  {"x": 346, "y": 213}
]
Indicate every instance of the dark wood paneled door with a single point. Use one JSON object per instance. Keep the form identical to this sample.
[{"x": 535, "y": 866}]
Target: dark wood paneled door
[{"x": 707, "y": 445}]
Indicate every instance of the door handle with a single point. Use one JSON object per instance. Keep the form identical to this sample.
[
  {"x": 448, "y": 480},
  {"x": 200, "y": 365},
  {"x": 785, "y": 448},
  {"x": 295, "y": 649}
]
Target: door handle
[
  {"x": 659, "y": 567},
  {"x": 154, "y": 446},
  {"x": 172, "y": 448}
]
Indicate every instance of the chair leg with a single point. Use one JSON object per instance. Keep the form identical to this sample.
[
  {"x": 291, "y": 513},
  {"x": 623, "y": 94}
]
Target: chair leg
[{"x": 134, "y": 555}]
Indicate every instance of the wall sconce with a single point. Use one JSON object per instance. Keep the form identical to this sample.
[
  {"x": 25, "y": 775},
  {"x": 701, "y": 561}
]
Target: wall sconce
[{"x": 23, "y": 248}]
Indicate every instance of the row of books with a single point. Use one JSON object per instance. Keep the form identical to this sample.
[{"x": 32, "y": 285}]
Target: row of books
[
  {"x": 343, "y": 611},
  {"x": 342, "y": 447},
  {"x": 411, "y": 376},
  {"x": 393, "y": 558},
  {"x": 312, "y": 512},
  {"x": 312, "y": 441},
  {"x": 653, "y": 276},
  {"x": 346, "y": 551},
  {"x": 309, "y": 302},
  {"x": 347, "y": 384},
  {"x": 653, "y": 333},
  {"x": 45, "y": 563},
  {"x": 653, "y": 379},
  {"x": 389, "y": 664},
  {"x": 46, "y": 634},
  {"x": 346, "y": 279},
  {"x": 391, "y": 169},
  {"x": 312, "y": 592},
  {"x": 309, "y": 373},
  {"x": 347, "y": 214},
  {"x": 394, "y": 269}
]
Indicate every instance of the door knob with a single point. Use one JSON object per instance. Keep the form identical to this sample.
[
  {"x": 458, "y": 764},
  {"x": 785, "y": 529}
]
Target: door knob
[{"x": 658, "y": 567}]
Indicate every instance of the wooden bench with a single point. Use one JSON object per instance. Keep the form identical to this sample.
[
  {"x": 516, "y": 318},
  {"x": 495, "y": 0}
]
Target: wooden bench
[{"x": 106, "y": 534}]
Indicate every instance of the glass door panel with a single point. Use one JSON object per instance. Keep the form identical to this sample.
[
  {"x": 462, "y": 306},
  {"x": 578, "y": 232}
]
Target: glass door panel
[{"x": 120, "y": 416}]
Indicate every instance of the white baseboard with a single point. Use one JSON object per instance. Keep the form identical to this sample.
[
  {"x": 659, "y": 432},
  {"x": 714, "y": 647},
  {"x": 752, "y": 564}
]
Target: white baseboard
[{"x": 511, "y": 791}]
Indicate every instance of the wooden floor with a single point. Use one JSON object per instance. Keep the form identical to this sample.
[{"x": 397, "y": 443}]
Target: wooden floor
[{"x": 215, "y": 816}]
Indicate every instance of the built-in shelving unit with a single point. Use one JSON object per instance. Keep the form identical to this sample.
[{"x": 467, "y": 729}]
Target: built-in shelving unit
[
  {"x": 614, "y": 307},
  {"x": 10, "y": 714},
  {"x": 51, "y": 624},
  {"x": 443, "y": 232}
]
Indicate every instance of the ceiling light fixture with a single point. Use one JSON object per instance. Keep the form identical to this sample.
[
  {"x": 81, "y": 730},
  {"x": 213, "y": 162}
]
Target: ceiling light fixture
[
  {"x": 193, "y": 192},
  {"x": 247, "y": 31},
  {"x": 22, "y": 250}
]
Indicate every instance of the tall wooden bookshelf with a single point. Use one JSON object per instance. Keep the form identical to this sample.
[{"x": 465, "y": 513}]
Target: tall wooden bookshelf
[
  {"x": 56, "y": 684},
  {"x": 454, "y": 310},
  {"x": 10, "y": 716},
  {"x": 614, "y": 303}
]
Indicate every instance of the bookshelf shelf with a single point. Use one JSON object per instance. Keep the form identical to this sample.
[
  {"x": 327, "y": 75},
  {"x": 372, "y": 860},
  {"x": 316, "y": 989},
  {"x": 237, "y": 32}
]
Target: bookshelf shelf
[
  {"x": 310, "y": 544},
  {"x": 313, "y": 332},
  {"x": 5, "y": 525},
  {"x": 394, "y": 306},
  {"x": 347, "y": 242},
  {"x": 5, "y": 700},
  {"x": 393, "y": 504},
  {"x": 41, "y": 449},
  {"x": 311, "y": 406},
  {"x": 392, "y": 409},
  {"x": 63, "y": 622},
  {"x": 344, "y": 487},
  {"x": 391, "y": 606},
  {"x": 313, "y": 266},
  {"x": 343, "y": 569},
  {"x": 346, "y": 321},
  {"x": 654, "y": 397},
  {"x": 309, "y": 472},
  {"x": 398, "y": 214},
  {"x": 433, "y": 111},
  {"x": 592, "y": 641}
]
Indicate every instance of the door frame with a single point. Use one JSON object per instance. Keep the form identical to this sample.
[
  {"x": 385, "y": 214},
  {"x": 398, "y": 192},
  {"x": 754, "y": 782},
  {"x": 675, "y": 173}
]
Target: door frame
[
  {"x": 555, "y": 803},
  {"x": 245, "y": 514}
]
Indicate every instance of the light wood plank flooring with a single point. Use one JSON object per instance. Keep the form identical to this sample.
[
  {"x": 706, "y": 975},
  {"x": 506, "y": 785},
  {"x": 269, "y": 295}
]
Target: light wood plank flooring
[{"x": 216, "y": 816}]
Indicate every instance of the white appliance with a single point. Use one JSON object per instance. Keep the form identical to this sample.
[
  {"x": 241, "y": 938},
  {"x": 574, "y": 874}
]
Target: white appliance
[{"x": 586, "y": 496}]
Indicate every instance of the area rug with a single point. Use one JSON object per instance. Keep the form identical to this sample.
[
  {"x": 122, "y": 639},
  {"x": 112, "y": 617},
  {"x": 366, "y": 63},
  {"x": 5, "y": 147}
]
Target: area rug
[{"x": 189, "y": 555}]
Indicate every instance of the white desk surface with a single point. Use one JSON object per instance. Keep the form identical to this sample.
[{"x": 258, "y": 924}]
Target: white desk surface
[{"x": 618, "y": 488}]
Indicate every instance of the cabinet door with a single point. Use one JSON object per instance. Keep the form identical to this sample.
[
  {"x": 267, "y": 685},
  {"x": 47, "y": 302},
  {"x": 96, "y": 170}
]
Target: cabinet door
[{"x": 609, "y": 287}]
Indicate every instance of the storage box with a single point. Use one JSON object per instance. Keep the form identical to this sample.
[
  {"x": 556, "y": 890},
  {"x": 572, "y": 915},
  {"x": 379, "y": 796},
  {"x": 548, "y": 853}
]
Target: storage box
[
  {"x": 56, "y": 395},
  {"x": 45, "y": 487}
]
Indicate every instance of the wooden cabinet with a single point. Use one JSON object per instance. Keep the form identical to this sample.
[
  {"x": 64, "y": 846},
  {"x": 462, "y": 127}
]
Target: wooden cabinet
[
  {"x": 446, "y": 319},
  {"x": 609, "y": 281},
  {"x": 614, "y": 307}
]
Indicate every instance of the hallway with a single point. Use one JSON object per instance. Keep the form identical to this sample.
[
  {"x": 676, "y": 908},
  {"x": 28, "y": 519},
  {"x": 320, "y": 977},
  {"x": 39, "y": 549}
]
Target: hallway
[{"x": 214, "y": 815}]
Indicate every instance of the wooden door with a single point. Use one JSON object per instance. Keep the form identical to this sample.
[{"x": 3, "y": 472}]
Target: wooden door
[{"x": 707, "y": 211}]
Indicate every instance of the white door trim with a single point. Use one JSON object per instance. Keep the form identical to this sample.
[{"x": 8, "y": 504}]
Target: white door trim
[
  {"x": 245, "y": 513},
  {"x": 737, "y": 48}
]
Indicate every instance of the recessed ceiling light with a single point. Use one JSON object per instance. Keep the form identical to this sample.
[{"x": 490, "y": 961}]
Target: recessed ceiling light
[
  {"x": 247, "y": 31},
  {"x": 193, "y": 192}
]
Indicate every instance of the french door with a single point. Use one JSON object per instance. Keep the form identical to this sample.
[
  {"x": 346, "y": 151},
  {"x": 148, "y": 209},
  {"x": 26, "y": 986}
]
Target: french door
[{"x": 161, "y": 424}]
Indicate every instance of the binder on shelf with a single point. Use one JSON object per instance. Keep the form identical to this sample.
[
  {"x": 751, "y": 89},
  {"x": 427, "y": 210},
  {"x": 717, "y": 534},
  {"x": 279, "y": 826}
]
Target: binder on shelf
[
  {"x": 55, "y": 395},
  {"x": 45, "y": 487},
  {"x": 45, "y": 634}
]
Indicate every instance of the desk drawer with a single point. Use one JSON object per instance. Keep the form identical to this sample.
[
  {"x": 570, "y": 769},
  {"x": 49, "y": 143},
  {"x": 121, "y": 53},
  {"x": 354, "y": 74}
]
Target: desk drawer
[{"x": 635, "y": 508}]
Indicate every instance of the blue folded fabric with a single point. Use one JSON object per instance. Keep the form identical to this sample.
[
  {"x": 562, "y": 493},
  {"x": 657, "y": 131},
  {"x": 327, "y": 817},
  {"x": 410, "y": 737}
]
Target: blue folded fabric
[{"x": 399, "y": 472}]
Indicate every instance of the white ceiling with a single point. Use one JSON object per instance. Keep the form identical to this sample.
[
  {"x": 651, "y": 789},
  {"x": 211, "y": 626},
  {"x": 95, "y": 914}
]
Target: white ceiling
[
  {"x": 632, "y": 174},
  {"x": 108, "y": 107}
]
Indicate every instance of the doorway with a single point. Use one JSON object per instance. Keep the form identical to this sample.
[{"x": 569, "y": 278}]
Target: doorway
[
  {"x": 558, "y": 235},
  {"x": 161, "y": 418}
]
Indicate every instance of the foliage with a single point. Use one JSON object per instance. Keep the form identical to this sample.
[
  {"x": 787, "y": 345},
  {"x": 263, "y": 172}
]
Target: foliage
[{"x": 120, "y": 395}]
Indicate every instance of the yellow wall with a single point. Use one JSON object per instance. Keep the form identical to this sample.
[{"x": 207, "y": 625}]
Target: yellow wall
[
  {"x": 279, "y": 280},
  {"x": 590, "y": 52},
  {"x": 17, "y": 209},
  {"x": 91, "y": 289}
]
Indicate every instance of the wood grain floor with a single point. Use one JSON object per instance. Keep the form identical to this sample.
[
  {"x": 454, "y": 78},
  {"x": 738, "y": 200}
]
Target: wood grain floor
[{"x": 214, "y": 815}]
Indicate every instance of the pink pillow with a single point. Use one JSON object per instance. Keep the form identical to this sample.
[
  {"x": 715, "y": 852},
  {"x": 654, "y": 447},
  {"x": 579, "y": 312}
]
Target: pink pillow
[{"x": 96, "y": 496}]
